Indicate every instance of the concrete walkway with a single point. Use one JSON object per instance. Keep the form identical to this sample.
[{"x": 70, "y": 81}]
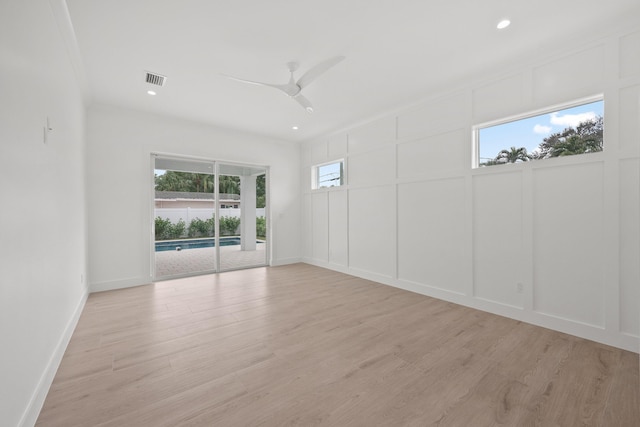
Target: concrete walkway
[{"x": 174, "y": 263}]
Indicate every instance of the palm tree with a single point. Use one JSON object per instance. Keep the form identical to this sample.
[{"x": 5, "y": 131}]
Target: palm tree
[
  {"x": 513, "y": 155},
  {"x": 229, "y": 184},
  {"x": 576, "y": 145}
]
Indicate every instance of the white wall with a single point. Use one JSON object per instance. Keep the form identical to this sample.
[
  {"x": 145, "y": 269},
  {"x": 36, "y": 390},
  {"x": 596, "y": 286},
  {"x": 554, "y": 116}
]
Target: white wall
[
  {"x": 42, "y": 211},
  {"x": 119, "y": 146},
  {"x": 416, "y": 215}
]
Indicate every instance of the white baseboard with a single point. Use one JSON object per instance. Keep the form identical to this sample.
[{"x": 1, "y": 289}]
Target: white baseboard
[
  {"x": 30, "y": 415},
  {"x": 285, "y": 261},
  {"x": 119, "y": 284},
  {"x": 594, "y": 333}
]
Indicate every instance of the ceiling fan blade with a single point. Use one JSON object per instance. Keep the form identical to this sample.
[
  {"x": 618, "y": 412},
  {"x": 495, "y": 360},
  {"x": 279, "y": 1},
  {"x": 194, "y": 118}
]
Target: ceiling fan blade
[
  {"x": 251, "y": 82},
  {"x": 306, "y": 104},
  {"x": 317, "y": 71}
]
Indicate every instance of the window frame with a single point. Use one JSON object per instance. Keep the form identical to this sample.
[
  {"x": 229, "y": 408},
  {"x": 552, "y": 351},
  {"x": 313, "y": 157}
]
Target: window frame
[
  {"x": 475, "y": 129},
  {"x": 315, "y": 178}
]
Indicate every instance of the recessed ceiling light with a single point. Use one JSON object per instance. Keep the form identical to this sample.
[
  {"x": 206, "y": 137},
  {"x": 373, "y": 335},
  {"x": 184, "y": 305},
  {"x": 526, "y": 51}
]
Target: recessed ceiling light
[
  {"x": 503, "y": 24},
  {"x": 150, "y": 92},
  {"x": 294, "y": 127}
]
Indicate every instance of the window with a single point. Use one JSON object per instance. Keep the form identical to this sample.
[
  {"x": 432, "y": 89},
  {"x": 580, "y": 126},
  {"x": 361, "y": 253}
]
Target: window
[
  {"x": 328, "y": 175},
  {"x": 576, "y": 128}
]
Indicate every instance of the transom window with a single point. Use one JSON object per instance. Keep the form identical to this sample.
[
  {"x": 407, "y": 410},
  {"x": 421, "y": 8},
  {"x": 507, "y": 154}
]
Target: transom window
[
  {"x": 328, "y": 175},
  {"x": 575, "y": 128}
]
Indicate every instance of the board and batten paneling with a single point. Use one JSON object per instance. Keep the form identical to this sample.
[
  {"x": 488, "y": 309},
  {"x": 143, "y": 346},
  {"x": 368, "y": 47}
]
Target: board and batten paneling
[
  {"x": 497, "y": 238},
  {"x": 337, "y": 146},
  {"x": 320, "y": 226},
  {"x": 499, "y": 99},
  {"x": 568, "y": 242},
  {"x": 629, "y": 107},
  {"x": 565, "y": 229},
  {"x": 629, "y": 246},
  {"x": 440, "y": 116},
  {"x": 373, "y": 134},
  {"x": 629, "y": 62},
  {"x": 319, "y": 153},
  {"x": 434, "y": 154},
  {"x": 372, "y": 167},
  {"x": 557, "y": 81},
  {"x": 338, "y": 228},
  {"x": 372, "y": 244},
  {"x": 431, "y": 234},
  {"x": 307, "y": 224}
]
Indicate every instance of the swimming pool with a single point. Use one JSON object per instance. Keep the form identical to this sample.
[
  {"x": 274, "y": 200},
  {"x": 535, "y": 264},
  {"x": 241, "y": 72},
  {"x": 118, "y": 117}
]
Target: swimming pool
[{"x": 179, "y": 245}]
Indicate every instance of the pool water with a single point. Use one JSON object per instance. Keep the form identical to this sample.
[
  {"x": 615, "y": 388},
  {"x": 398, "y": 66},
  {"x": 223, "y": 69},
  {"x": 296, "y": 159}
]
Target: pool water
[{"x": 181, "y": 245}]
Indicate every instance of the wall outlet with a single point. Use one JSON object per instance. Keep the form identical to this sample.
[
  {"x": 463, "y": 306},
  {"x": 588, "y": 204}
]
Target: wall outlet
[{"x": 519, "y": 287}]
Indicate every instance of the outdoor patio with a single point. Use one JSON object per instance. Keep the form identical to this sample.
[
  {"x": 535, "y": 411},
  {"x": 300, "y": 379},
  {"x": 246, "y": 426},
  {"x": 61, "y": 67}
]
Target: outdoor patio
[{"x": 174, "y": 263}]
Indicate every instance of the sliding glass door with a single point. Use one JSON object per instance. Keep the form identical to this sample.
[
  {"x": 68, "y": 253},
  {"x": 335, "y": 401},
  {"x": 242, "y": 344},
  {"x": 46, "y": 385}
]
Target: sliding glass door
[
  {"x": 207, "y": 217},
  {"x": 242, "y": 213}
]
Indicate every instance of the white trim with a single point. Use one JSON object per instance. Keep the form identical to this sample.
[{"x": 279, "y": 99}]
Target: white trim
[
  {"x": 120, "y": 284},
  {"x": 216, "y": 197},
  {"x": 537, "y": 112},
  {"x": 475, "y": 129},
  {"x": 579, "y": 329},
  {"x": 31, "y": 413},
  {"x": 316, "y": 168}
]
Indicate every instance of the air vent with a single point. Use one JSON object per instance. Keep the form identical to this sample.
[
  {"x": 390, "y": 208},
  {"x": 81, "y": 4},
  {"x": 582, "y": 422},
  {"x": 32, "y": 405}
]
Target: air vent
[{"x": 155, "y": 79}]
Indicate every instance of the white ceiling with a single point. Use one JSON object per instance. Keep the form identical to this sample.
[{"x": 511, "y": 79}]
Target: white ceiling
[{"x": 397, "y": 52}]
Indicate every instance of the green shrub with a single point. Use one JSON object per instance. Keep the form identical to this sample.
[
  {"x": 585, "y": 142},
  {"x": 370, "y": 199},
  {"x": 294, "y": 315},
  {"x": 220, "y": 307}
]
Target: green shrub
[
  {"x": 229, "y": 225},
  {"x": 177, "y": 230},
  {"x": 200, "y": 228},
  {"x": 211, "y": 226},
  {"x": 162, "y": 227},
  {"x": 261, "y": 227}
]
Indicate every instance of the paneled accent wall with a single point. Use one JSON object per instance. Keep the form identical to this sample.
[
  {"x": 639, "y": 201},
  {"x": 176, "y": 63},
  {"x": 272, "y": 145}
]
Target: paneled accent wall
[{"x": 554, "y": 242}]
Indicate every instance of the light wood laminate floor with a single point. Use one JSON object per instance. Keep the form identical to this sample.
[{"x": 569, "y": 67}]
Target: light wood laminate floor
[{"x": 301, "y": 345}]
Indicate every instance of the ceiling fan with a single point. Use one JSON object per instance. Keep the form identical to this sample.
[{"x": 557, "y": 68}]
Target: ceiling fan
[{"x": 294, "y": 88}]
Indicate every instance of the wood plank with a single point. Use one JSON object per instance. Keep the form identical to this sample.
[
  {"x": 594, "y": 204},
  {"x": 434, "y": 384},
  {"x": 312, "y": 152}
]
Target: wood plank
[{"x": 301, "y": 345}]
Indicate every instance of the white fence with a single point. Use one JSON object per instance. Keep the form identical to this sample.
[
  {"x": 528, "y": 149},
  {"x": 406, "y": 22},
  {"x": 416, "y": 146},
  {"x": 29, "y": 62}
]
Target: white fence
[{"x": 188, "y": 214}]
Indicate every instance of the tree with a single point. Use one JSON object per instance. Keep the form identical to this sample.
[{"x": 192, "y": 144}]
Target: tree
[
  {"x": 203, "y": 183},
  {"x": 512, "y": 155},
  {"x": 261, "y": 193},
  {"x": 490, "y": 162},
  {"x": 185, "y": 181},
  {"x": 587, "y": 137},
  {"x": 229, "y": 184}
]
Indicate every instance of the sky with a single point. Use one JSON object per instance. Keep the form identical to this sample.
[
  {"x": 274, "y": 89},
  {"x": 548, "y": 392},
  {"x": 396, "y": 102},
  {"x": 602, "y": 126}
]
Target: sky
[
  {"x": 530, "y": 132},
  {"x": 329, "y": 175}
]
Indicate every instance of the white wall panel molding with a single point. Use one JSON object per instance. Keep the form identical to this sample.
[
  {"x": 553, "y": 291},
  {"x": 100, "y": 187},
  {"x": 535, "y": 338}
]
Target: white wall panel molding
[
  {"x": 338, "y": 146},
  {"x": 553, "y": 242},
  {"x": 320, "y": 227},
  {"x": 339, "y": 228},
  {"x": 435, "y": 154},
  {"x": 629, "y": 249},
  {"x": 629, "y": 120},
  {"x": 319, "y": 152},
  {"x": 370, "y": 168},
  {"x": 568, "y": 243},
  {"x": 372, "y": 135},
  {"x": 498, "y": 238},
  {"x": 629, "y": 60},
  {"x": 558, "y": 81},
  {"x": 431, "y": 234},
  {"x": 372, "y": 239},
  {"x": 499, "y": 99},
  {"x": 439, "y": 116}
]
